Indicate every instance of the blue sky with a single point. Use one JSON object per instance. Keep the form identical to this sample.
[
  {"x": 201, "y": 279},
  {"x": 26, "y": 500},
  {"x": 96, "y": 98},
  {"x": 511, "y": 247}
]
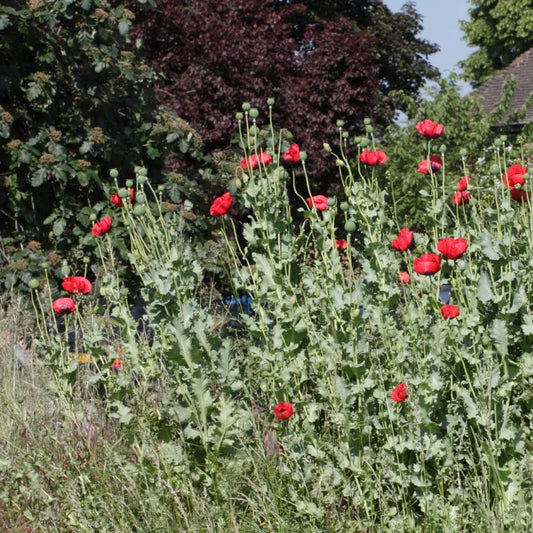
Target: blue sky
[{"x": 441, "y": 25}]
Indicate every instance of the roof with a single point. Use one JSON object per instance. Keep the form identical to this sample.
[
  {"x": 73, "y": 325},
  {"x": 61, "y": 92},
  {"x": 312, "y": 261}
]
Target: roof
[{"x": 491, "y": 91}]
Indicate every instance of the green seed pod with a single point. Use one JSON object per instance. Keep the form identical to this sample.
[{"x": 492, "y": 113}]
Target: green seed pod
[
  {"x": 139, "y": 210},
  {"x": 494, "y": 169},
  {"x": 349, "y": 226},
  {"x": 327, "y": 148},
  {"x": 129, "y": 183},
  {"x": 86, "y": 260},
  {"x": 340, "y": 123},
  {"x": 92, "y": 217},
  {"x": 123, "y": 193},
  {"x": 141, "y": 180},
  {"x": 253, "y": 130},
  {"x": 239, "y": 116},
  {"x": 45, "y": 266},
  {"x": 303, "y": 156},
  {"x": 246, "y": 106},
  {"x": 369, "y": 129},
  {"x": 498, "y": 142},
  {"x": 113, "y": 173},
  {"x": 442, "y": 148},
  {"x": 345, "y": 206},
  {"x": 254, "y": 113},
  {"x": 270, "y": 101},
  {"x": 140, "y": 198},
  {"x": 160, "y": 188},
  {"x": 65, "y": 271},
  {"x": 141, "y": 171},
  {"x": 463, "y": 152},
  {"x": 367, "y": 121},
  {"x": 526, "y": 175},
  {"x": 331, "y": 202},
  {"x": 344, "y": 134},
  {"x": 364, "y": 143},
  {"x": 33, "y": 284}
]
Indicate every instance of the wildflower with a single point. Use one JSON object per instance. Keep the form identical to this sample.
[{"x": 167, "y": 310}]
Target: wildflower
[
  {"x": 462, "y": 184},
  {"x": 116, "y": 364},
  {"x": 429, "y": 129},
  {"x": 452, "y": 248},
  {"x": 399, "y": 394},
  {"x": 449, "y": 311},
  {"x": 76, "y": 284},
  {"x": 255, "y": 160},
  {"x": 372, "y": 158},
  {"x": 319, "y": 202},
  {"x": 102, "y": 227},
  {"x": 427, "y": 264},
  {"x": 519, "y": 195},
  {"x": 221, "y": 205},
  {"x": 64, "y": 306},
  {"x": 514, "y": 176},
  {"x": 292, "y": 155},
  {"x": 341, "y": 244},
  {"x": 404, "y": 241},
  {"x": 404, "y": 277},
  {"x": 117, "y": 200},
  {"x": 435, "y": 162},
  {"x": 284, "y": 410},
  {"x": 461, "y": 197}
]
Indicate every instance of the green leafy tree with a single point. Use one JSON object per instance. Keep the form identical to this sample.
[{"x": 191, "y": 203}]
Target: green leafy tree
[
  {"x": 76, "y": 100},
  {"x": 501, "y": 29}
]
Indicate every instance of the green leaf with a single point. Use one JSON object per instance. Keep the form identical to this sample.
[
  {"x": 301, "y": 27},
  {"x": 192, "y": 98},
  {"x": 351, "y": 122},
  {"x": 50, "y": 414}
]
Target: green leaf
[
  {"x": 484, "y": 289},
  {"x": 489, "y": 247},
  {"x": 527, "y": 324},
  {"x": 124, "y": 26},
  {"x": 38, "y": 177},
  {"x": 59, "y": 227},
  {"x": 499, "y": 335}
]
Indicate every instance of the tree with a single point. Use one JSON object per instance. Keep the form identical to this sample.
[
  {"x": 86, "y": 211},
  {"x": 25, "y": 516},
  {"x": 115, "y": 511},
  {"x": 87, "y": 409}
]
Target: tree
[
  {"x": 216, "y": 55},
  {"x": 502, "y": 31},
  {"x": 75, "y": 102}
]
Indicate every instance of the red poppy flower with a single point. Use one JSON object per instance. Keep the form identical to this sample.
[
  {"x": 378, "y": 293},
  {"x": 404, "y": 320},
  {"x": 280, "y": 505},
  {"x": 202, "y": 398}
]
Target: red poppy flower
[
  {"x": 102, "y": 227},
  {"x": 404, "y": 241},
  {"x": 519, "y": 195},
  {"x": 372, "y": 158},
  {"x": 116, "y": 364},
  {"x": 514, "y": 176},
  {"x": 427, "y": 264},
  {"x": 449, "y": 311},
  {"x": 435, "y": 161},
  {"x": 284, "y": 410},
  {"x": 461, "y": 197},
  {"x": 399, "y": 394},
  {"x": 77, "y": 284},
  {"x": 221, "y": 205},
  {"x": 430, "y": 129},
  {"x": 462, "y": 184},
  {"x": 452, "y": 248},
  {"x": 117, "y": 200},
  {"x": 292, "y": 155},
  {"x": 255, "y": 160},
  {"x": 64, "y": 306},
  {"x": 319, "y": 202},
  {"x": 341, "y": 244},
  {"x": 404, "y": 277}
]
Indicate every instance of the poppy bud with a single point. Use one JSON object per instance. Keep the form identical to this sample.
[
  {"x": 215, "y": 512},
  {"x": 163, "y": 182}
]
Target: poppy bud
[
  {"x": 327, "y": 148},
  {"x": 123, "y": 193},
  {"x": 239, "y": 116},
  {"x": 270, "y": 101},
  {"x": 113, "y": 173},
  {"x": 246, "y": 106},
  {"x": 349, "y": 226},
  {"x": 33, "y": 284},
  {"x": 129, "y": 183},
  {"x": 139, "y": 210},
  {"x": 254, "y": 113}
]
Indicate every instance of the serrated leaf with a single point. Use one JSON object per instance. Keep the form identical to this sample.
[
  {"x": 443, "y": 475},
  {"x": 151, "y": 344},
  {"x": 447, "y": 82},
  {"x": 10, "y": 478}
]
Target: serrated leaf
[
  {"x": 499, "y": 335},
  {"x": 489, "y": 246},
  {"x": 38, "y": 177},
  {"x": 484, "y": 289}
]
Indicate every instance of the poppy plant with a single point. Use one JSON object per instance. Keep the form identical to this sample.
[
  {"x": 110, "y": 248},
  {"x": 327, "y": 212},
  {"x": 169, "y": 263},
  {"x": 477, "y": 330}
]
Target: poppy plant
[
  {"x": 221, "y": 205},
  {"x": 404, "y": 241},
  {"x": 427, "y": 264},
  {"x": 117, "y": 200},
  {"x": 341, "y": 244},
  {"x": 514, "y": 176},
  {"x": 64, "y": 306},
  {"x": 404, "y": 277},
  {"x": 372, "y": 158},
  {"x": 461, "y": 197},
  {"x": 449, "y": 311},
  {"x": 399, "y": 394},
  {"x": 463, "y": 183},
  {"x": 430, "y": 129},
  {"x": 435, "y": 163},
  {"x": 116, "y": 364},
  {"x": 255, "y": 160},
  {"x": 519, "y": 195},
  {"x": 451, "y": 248},
  {"x": 284, "y": 410},
  {"x": 292, "y": 155},
  {"x": 101, "y": 227},
  {"x": 319, "y": 202},
  {"x": 76, "y": 285}
]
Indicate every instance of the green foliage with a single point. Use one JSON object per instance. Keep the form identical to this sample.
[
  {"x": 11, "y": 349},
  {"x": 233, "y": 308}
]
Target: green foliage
[
  {"x": 501, "y": 29},
  {"x": 76, "y": 100}
]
